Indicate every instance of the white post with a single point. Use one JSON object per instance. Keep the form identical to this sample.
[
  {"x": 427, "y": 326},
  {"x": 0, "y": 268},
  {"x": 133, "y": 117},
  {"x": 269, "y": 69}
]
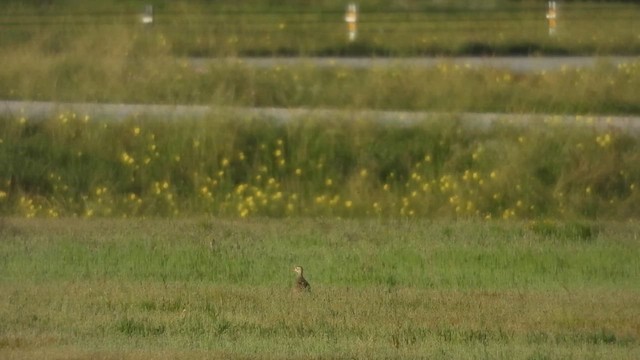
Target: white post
[
  {"x": 147, "y": 15},
  {"x": 351, "y": 17},
  {"x": 552, "y": 14}
]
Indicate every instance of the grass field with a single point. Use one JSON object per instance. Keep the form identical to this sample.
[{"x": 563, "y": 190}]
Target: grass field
[
  {"x": 204, "y": 288},
  {"x": 441, "y": 239}
]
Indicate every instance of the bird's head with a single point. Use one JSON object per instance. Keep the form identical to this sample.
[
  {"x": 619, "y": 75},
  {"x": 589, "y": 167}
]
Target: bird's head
[{"x": 298, "y": 270}]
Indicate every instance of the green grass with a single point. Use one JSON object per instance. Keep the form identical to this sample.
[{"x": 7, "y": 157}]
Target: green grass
[
  {"x": 397, "y": 28},
  {"x": 440, "y": 167},
  {"x": 51, "y": 55},
  {"x": 346, "y": 198},
  {"x": 74, "y": 166},
  {"x": 605, "y": 89},
  {"x": 221, "y": 288}
]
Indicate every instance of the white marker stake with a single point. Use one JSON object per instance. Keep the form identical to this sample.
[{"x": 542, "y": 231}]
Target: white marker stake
[
  {"x": 552, "y": 13},
  {"x": 351, "y": 17},
  {"x": 147, "y": 15}
]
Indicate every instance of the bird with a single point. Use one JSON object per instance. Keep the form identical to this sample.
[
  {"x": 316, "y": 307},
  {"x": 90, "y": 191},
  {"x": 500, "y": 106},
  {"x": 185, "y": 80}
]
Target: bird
[{"x": 301, "y": 284}]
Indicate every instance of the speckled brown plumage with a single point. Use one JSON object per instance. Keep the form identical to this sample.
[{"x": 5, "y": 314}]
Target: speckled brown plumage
[{"x": 301, "y": 283}]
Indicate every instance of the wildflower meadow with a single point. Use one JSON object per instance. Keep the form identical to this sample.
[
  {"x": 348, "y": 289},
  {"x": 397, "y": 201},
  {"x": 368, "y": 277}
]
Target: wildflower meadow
[{"x": 71, "y": 165}]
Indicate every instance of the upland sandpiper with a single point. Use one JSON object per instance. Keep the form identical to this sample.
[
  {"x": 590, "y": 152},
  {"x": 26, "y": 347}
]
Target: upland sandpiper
[{"x": 301, "y": 283}]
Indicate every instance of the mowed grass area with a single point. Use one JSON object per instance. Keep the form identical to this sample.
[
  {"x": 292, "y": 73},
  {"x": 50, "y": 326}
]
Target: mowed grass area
[{"x": 203, "y": 288}]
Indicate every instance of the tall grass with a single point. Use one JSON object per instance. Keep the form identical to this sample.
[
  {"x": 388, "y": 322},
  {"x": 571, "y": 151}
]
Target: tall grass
[
  {"x": 122, "y": 76},
  {"x": 439, "y": 167},
  {"x": 119, "y": 61},
  {"x": 225, "y": 28}
]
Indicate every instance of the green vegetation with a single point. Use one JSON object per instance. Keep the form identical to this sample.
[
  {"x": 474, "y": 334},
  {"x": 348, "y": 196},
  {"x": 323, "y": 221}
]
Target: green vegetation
[
  {"x": 221, "y": 288},
  {"x": 49, "y": 54},
  {"x": 605, "y": 89},
  {"x": 71, "y": 165},
  {"x": 397, "y": 28},
  {"x": 390, "y": 220}
]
